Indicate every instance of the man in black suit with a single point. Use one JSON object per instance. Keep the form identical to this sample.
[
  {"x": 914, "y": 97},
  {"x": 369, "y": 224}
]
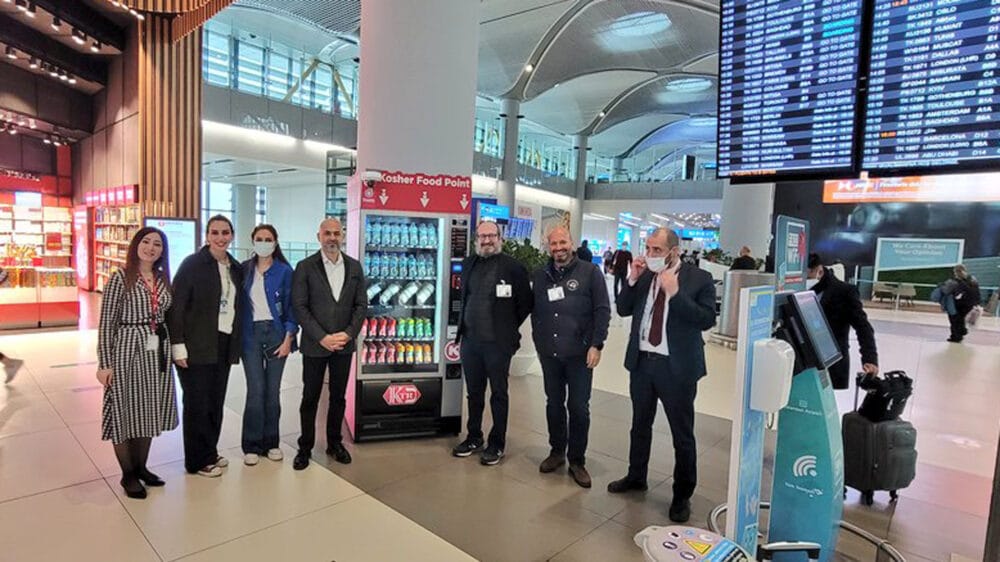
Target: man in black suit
[
  {"x": 671, "y": 304},
  {"x": 328, "y": 293},
  {"x": 584, "y": 253},
  {"x": 620, "y": 262},
  {"x": 842, "y": 305},
  {"x": 745, "y": 261},
  {"x": 496, "y": 298}
]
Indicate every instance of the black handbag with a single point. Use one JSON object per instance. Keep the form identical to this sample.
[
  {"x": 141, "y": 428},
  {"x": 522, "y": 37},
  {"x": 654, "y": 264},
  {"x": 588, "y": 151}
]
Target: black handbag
[{"x": 885, "y": 395}]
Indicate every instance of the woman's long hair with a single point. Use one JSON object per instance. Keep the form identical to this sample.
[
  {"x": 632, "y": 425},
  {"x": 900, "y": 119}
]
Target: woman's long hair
[
  {"x": 161, "y": 267},
  {"x": 277, "y": 255}
]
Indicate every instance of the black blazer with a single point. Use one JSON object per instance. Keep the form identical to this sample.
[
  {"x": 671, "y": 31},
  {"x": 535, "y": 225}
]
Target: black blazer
[
  {"x": 194, "y": 317},
  {"x": 508, "y": 314},
  {"x": 691, "y": 312},
  {"x": 842, "y": 306},
  {"x": 316, "y": 310}
]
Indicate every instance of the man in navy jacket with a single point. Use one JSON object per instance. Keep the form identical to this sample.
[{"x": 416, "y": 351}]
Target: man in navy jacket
[
  {"x": 569, "y": 326},
  {"x": 671, "y": 304}
]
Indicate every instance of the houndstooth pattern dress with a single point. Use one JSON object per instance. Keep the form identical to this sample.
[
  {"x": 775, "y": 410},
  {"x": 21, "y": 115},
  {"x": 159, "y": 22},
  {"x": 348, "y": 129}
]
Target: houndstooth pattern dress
[{"x": 141, "y": 401}]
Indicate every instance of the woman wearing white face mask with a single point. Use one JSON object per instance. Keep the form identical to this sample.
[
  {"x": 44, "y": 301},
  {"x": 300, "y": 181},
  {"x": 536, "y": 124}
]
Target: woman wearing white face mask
[{"x": 269, "y": 330}]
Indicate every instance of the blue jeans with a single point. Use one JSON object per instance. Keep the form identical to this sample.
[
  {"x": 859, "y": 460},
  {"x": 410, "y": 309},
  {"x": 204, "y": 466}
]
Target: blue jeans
[
  {"x": 559, "y": 375},
  {"x": 263, "y": 371}
]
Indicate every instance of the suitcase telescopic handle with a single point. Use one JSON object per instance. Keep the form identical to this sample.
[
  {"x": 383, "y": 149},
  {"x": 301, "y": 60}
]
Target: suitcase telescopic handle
[{"x": 767, "y": 551}]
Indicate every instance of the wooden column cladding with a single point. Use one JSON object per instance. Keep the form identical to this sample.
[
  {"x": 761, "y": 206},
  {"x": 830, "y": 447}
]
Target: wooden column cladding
[{"x": 170, "y": 109}]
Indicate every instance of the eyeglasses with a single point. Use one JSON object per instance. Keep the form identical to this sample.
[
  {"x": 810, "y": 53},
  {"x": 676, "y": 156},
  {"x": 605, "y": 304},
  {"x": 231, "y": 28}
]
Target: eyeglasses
[{"x": 487, "y": 236}]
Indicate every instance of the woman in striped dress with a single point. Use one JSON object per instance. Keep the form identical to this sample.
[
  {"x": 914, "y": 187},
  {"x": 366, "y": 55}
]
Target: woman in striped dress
[{"x": 133, "y": 350}]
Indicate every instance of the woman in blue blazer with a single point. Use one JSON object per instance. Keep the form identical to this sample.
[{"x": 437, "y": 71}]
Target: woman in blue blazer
[{"x": 269, "y": 330}]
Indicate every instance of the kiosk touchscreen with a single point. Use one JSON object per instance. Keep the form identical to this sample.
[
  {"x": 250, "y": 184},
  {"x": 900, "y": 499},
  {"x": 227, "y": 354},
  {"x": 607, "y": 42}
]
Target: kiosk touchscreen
[{"x": 804, "y": 325}]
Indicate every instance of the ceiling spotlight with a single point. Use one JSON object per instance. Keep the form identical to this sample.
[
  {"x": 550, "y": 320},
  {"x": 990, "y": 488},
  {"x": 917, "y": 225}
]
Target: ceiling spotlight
[
  {"x": 601, "y": 114},
  {"x": 56, "y": 23},
  {"x": 55, "y": 141},
  {"x": 79, "y": 37},
  {"x": 47, "y": 139},
  {"x": 32, "y": 125},
  {"x": 137, "y": 15},
  {"x": 11, "y": 130},
  {"x": 529, "y": 67},
  {"x": 30, "y": 12},
  {"x": 9, "y": 51},
  {"x": 22, "y": 5},
  {"x": 33, "y": 63},
  {"x": 72, "y": 80},
  {"x": 53, "y": 72},
  {"x": 95, "y": 47},
  {"x": 63, "y": 76}
]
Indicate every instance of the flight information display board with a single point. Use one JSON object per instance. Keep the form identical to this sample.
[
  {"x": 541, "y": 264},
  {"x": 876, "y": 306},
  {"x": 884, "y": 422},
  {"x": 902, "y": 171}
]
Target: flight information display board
[
  {"x": 934, "y": 93},
  {"x": 788, "y": 73}
]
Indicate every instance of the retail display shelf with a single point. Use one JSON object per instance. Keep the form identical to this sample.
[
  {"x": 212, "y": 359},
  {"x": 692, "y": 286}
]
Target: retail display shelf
[{"x": 400, "y": 248}]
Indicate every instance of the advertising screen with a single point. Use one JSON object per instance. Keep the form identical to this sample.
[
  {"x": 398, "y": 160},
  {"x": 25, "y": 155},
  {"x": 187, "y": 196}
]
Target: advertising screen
[
  {"x": 932, "y": 97},
  {"x": 182, "y": 238},
  {"x": 788, "y": 76}
]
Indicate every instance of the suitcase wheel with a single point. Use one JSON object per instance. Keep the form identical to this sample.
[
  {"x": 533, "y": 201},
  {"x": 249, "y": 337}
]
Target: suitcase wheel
[
  {"x": 868, "y": 497},
  {"x": 893, "y": 496}
]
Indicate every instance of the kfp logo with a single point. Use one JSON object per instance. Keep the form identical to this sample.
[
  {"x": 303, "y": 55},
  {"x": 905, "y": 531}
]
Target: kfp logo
[
  {"x": 401, "y": 394},
  {"x": 452, "y": 351}
]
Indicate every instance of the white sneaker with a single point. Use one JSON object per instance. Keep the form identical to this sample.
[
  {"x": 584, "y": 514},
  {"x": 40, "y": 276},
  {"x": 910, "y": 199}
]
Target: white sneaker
[
  {"x": 221, "y": 462},
  {"x": 210, "y": 471},
  {"x": 11, "y": 367},
  {"x": 275, "y": 455},
  {"x": 251, "y": 459}
]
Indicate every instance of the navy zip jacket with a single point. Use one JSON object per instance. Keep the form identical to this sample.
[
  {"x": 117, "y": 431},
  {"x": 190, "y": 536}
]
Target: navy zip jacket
[
  {"x": 278, "y": 289},
  {"x": 570, "y": 326}
]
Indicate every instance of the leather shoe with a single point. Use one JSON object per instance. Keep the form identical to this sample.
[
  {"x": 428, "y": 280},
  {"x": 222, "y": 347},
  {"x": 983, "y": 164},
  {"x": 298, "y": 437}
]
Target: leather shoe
[
  {"x": 551, "y": 463},
  {"x": 580, "y": 475},
  {"x": 626, "y": 484},
  {"x": 680, "y": 510},
  {"x": 148, "y": 478},
  {"x": 339, "y": 452},
  {"x": 301, "y": 460},
  {"x": 133, "y": 488}
]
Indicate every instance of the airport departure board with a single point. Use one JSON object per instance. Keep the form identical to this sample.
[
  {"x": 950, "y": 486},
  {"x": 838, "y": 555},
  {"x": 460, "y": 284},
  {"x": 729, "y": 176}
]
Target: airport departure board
[
  {"x": 934, "y": 93},
  {"x": 788, "y": 73}
]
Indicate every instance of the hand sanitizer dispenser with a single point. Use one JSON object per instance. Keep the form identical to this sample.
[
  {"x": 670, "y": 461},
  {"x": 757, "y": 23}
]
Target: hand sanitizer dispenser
[{"x": 772, "y": 369}]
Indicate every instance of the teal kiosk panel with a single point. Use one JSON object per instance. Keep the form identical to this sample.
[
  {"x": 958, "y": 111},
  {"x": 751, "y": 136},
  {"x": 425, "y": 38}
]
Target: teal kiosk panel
[{"x": 807, "y": 496}]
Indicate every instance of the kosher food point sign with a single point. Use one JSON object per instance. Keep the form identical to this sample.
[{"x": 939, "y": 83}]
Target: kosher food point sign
[{"x": 401, "y": 191}]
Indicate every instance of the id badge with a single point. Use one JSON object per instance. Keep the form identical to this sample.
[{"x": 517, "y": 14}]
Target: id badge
[
  {"x": 504, "y": 291},
  {"x": 556, "y": 294},
  {"x": 153, "y": 343}
]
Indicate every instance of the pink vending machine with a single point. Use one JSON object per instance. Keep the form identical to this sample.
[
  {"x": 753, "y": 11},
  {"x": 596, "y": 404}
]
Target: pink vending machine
[{"x": 411, "y": 233}]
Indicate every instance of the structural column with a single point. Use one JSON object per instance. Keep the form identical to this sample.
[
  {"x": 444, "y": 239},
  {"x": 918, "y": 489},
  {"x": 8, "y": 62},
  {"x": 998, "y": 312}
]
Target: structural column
[
  {"x": 576, "y": 211},
  {"x": 245, "y": 203},
  {"x": 418, "y": 75},
  {"x": 507, "y": 185}
]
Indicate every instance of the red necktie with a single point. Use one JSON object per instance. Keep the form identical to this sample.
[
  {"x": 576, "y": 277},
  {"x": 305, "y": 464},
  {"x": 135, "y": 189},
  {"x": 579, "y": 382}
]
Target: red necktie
[{"x": 656, "y": 325}]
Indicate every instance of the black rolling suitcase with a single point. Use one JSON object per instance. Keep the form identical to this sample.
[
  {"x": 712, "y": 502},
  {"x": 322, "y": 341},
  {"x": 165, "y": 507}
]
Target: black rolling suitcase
[{"x": 879, "y": 454}]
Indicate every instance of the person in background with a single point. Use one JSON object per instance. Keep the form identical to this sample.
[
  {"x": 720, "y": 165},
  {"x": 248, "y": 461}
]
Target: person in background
[
  {"x": 620, "y": 263},
  {"x": 571, "y": 303},
  {"x": 330, "y": 300},
  {"x": 606, "y": 259},
  {"x": 10, "y": 366},
  {"x": 207, "y": 342},
  {"x": 133, "y": 355},
  {"x": 842, "y": 305},
  {"x": 745, "y": 261},
  {"x": 696, "y": 258},
  {"x": 671, "y": 303},
  {"x": 584, "y": 253},
  {"x": 496, "y": 298},
  {"x": 269, "y": 330},
  {"x": 965, "y": 292}
]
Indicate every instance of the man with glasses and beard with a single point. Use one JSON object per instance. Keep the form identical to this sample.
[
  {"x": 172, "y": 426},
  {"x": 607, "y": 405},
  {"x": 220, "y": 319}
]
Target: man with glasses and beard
[{"x": 496, "y": 298}]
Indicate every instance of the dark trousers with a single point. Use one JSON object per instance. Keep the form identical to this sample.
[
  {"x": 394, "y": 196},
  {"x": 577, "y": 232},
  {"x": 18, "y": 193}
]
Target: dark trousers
[
  {"x": 620, "y": 279},
  {"x": 481, "y": 363},
  {"x": 204, "y": 401},
  {"x": 654, "y": 380},
  {"x": 560, "y": 374},
  {"x": 958, "y": 329},
  {"x": 313, "y": 371}
]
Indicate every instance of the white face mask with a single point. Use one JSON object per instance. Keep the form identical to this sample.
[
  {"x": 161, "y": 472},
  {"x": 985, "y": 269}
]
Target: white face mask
[
  {"x": 264, "y": 249},
  {"x": 810, "y": 283},
  {"x": 656, "y": 265}
]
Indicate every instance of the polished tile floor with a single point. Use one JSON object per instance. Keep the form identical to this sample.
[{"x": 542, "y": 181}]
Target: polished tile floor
[{"x": 410, "y": 500}]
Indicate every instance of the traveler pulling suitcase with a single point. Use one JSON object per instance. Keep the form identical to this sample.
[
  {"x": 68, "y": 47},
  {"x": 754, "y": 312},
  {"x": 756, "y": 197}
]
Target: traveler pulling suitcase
[{"x": 879, "y": 455}]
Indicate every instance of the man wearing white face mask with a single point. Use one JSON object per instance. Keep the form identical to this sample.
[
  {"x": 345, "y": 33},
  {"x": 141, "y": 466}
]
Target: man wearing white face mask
[
  {"x": 269, "y": 330},
  {"x": 671, "y": 304}
]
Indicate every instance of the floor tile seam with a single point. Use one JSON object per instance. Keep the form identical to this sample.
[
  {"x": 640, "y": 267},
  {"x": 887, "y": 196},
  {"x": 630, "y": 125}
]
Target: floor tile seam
[
  {"x": 55, "y": 489},
  {"x": 578, "y": 539},
  {"x": 429, "y": 470},
  {"x": 269, "y": 526},
  {"x": 131, "y": 518}
]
